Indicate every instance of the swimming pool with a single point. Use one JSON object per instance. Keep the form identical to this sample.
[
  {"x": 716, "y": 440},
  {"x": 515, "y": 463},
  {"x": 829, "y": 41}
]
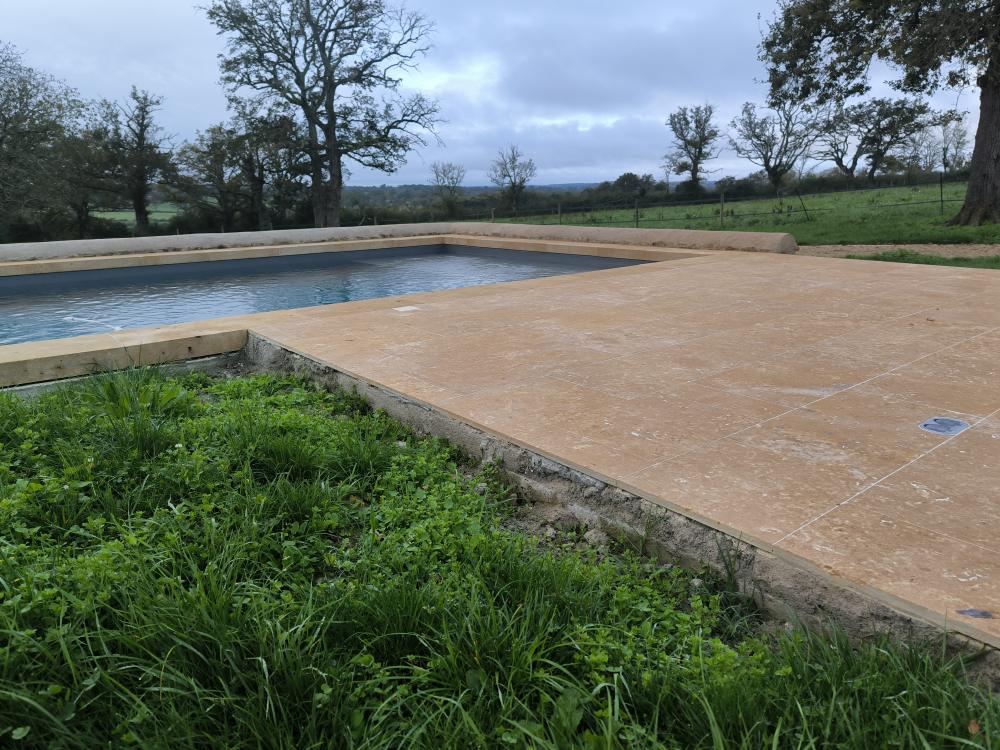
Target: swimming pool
[{"x": 77, "y": 303}]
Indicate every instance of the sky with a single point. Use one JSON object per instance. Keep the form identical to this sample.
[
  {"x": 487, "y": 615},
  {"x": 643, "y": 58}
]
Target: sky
[{"x": 583, "y": 87}]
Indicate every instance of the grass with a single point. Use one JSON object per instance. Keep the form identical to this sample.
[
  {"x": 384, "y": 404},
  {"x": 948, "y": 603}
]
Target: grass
[
  {"x": 159, "y": 213},
  {"x": 868, "y": 217},
  {"x": 911, "y": 256},
  {"x": 255, "y": 563}
]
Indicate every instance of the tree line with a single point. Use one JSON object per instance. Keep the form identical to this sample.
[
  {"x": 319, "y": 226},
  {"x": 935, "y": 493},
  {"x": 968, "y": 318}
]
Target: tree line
[
  {"x": 862, "y": 139},
  {"x": 315, "y": 88}
]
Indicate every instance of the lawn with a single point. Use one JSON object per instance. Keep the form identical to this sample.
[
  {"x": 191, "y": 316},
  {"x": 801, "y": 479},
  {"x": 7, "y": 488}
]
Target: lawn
[
  {"x": 159, "y": 213},
  {"x": 255, "y": 563},
  {"x": 868, "y": 217},
  {"x": 911, "y": 256}
]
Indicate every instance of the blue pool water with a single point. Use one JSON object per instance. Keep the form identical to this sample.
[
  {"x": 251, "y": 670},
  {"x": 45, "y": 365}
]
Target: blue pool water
[{"x": 50, "y": 306}]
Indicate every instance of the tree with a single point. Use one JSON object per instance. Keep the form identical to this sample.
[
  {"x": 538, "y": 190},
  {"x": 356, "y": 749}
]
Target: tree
[
  {"x": 338, "y": 63},
  {"x": 511, "y": 172},
  {"x": 776, "y": 142},
  {"x": 824, "y": 49},
  {"x": 841, "y": 139},
  {"x": 37, "y": 112},
  {"x": 695, "y": 136},
  {"x": 954, "y": 143},
  {"x": 138, "y": 153},
  {"x": 633, "y": 185},
  {"x": 273, "y": 153},
  {"x": 888, "y": 125},
  {"x": 209, "y": 174},
  {"x": 447, "y": 179}
]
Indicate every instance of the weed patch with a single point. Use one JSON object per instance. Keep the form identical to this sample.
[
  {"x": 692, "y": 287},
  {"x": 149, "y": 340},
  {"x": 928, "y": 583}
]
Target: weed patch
[{"x": 255, "y": 563}]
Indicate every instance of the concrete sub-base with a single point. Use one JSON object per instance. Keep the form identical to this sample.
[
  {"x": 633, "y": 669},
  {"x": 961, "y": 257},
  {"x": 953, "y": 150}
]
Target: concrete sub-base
[{"x": 785, "y": 590}]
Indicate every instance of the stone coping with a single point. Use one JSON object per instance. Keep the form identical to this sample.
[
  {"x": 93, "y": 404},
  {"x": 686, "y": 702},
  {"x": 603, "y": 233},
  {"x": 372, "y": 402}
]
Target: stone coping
[
  {"x": 135, "y": 260},
  {"x": 683, "y": 239}
]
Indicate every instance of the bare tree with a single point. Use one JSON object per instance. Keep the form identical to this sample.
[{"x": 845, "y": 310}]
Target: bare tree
[
  {"x": 956, "y": 145},
  {"x": 339, "y": 63},
  {"x": 841, "y": 140},
  {"x": 447, "y": 179},
  {"x": 511, "y": 172},
  {"x": 776, "y": 142},
  {"x": 695, "y": 136}
]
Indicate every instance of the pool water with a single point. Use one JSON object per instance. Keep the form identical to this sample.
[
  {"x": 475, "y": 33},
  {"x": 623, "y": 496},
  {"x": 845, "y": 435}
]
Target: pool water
[{"x": 60, "y": 305}]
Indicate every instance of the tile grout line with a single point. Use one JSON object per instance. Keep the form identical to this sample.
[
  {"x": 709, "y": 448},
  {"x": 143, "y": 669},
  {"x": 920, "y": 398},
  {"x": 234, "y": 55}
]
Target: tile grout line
[
  {"x": 891, "y": 474},
  {"x": 785, "y": 413}
]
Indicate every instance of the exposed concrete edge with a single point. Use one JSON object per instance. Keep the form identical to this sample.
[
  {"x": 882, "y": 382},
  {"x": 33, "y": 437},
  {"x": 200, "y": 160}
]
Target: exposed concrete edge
[
  {"x": 789, "y": 589},
  {"x": 685, "y": 239}
]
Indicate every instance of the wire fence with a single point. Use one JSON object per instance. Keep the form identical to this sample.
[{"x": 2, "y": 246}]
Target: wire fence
[{"x": 720, "y": 211}]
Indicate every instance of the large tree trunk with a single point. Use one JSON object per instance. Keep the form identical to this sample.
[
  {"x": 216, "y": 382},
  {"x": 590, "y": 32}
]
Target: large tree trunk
[
  {"x": 335, "y": 169},
  {"x": 982, "y": 200},
  {"x": 317, "y": 190},
  {"x": 260, "y": 212},
  {"x": 141, "y": 209}
]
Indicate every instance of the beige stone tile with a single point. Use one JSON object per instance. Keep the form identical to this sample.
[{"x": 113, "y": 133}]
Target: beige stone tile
[
  {"x": 953, "y": 490},
  {"x": 966, "y": 384},
  {"x": 753, "y": 494},
  {"x": 900, "y": 342},
  {"x": 797, "y": 378},
  {"x": 862, "y": 432},
  {"x": 923, "y": 571}
]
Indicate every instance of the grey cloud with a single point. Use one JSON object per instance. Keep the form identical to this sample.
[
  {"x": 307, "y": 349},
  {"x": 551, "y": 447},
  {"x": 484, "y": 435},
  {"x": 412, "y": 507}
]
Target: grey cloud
[{"x": 584, "y": 87}]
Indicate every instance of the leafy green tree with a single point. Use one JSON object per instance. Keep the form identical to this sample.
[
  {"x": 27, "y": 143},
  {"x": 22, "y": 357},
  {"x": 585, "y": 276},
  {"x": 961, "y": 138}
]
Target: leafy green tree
[
  {"x": 37, "y": 113},
  {"x": 825, "y": 49},
  {"x": 209, "y": 174},
  {"x": 695, "y": 136},
  {"x": 338, "y": 63},
  {"x": 138, "y": 154},
  {"x": 634, "y": 186}
]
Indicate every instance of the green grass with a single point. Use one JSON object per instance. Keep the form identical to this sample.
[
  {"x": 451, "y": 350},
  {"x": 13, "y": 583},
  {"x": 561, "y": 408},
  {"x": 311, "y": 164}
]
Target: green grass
[
  {"x": 911, "y": 256},
  {"x": 255, "y": 563},
  {"x": 159, "y": 213},
  {"x": 846, "y": 218}
]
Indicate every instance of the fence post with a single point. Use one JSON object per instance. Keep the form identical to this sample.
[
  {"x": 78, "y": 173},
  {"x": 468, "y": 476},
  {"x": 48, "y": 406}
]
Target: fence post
[
  {"x": 493, "y": 214},
  {"x": 722, "y": 209},
  {"x": 804, "y": 209},
  {"x": 559, "y": 211},
  {"x": 942, "y": 193},
  {"x": 636, "y": 213}
]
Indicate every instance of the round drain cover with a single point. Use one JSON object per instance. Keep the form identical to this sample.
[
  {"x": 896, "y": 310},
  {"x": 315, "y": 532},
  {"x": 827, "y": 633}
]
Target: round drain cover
[{"x": 944, "y": 426}]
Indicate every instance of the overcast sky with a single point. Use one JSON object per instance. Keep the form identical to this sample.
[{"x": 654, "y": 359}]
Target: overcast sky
[{"x": 583, "y": 86}]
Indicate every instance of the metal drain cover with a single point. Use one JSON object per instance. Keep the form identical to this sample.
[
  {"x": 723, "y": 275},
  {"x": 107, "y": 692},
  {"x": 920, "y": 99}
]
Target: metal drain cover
[
  {"x": 979, "y": 614},
  {"x": 944, "y": 426}
]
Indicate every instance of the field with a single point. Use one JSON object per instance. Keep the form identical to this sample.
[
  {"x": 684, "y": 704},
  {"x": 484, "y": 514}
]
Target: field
[
  {"x": 255, "y": 563},
  {"x": 159, "y": 213},
  {"x": 869, "y": 217},
  {"x": 910, "y": 256}
]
